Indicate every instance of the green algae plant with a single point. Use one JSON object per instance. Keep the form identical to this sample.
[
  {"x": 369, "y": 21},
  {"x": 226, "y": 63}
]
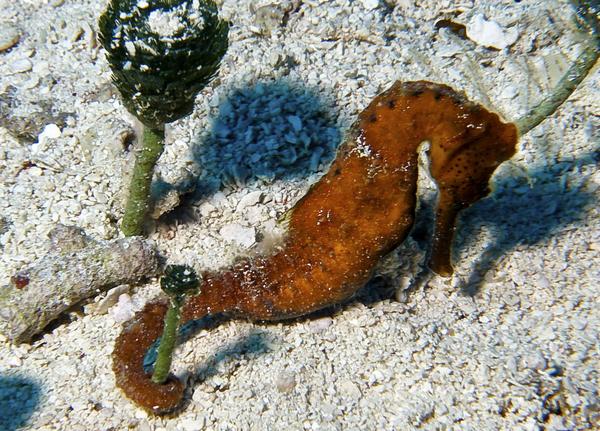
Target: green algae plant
[
  {"x": 162, "y": 54},
  {"x": 178, "y": 282}
]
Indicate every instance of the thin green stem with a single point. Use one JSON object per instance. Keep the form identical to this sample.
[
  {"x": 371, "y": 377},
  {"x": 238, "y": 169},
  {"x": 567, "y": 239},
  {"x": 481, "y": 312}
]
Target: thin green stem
[
  {"x": 587, "y": 20},
  {"x": 565, "y": 87},
  {"x": 138, "y": 202},
  {"x": 164, "y": 356}
]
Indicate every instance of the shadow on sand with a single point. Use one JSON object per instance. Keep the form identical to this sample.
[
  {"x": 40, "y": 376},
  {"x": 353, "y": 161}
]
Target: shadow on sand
[
  {"x": 540, "y": 206},
  {"x": 19, "y": 397},
  {"x": 271, "y": 130}
]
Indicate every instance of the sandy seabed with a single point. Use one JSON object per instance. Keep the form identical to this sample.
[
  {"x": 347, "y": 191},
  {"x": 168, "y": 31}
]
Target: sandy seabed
[{"x": 510, "y": 341}]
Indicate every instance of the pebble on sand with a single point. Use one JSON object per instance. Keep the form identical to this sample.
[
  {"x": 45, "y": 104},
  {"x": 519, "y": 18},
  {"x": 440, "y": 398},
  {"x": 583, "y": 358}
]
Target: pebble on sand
[
  {"x": 490, "y": 34},
  {"x": 9, "y": 37}
]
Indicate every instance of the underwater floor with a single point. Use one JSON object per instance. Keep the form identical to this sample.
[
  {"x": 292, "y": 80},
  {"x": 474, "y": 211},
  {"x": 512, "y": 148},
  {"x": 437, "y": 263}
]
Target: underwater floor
[{"x": 510, "y": 341}]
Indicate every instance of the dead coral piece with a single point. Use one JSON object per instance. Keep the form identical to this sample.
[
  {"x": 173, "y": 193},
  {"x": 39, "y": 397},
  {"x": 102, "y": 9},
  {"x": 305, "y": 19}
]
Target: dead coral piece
[{"x": 77, "y": 268}]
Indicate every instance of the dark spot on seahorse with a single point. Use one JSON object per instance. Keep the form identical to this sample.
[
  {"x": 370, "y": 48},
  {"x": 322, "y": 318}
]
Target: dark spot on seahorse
[
  {"x": 457, "y": 100},
  {"x": 391, "y": 104},
  {"x": 417, "y": 92},
  {"x": 438, "y": 95},
  {"x": 269, "y": 306},
  {"x": 337, "y": 172},
  {"x": 373, "y": 118}
]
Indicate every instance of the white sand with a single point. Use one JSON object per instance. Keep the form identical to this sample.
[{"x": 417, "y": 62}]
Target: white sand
[{"x": 522, "y": 353}]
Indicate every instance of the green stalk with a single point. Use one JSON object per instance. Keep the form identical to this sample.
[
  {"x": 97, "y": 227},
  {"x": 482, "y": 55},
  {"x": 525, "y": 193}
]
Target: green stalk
[
  {"x": 565, "y": 87},
  {"x": 177, "y": 282},
  {"x": 164, "y": 355},
  {"x": 587, "y": 19},
  {"x": 138, "y": 202}
]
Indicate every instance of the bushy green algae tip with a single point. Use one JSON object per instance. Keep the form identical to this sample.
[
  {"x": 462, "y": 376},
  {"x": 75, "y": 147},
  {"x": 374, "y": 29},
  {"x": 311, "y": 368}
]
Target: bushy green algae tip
[{"x": 160, "y": 75}]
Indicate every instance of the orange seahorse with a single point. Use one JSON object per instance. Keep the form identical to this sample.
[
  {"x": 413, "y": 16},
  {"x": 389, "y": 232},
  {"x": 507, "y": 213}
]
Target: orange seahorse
[{"x": 360, "y": 210}]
